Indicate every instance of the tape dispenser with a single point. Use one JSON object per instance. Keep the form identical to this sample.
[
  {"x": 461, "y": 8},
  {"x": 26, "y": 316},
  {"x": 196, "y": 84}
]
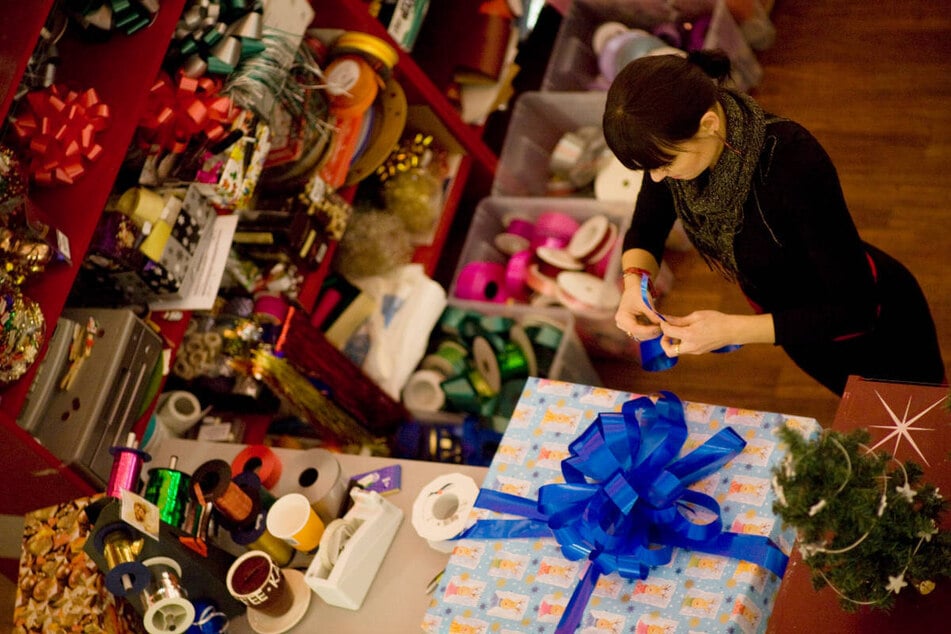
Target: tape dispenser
[{"x": 352, "y": 549}]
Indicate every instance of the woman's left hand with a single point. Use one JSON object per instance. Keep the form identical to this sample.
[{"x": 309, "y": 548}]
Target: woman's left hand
[{"x": 697, "y": 333}]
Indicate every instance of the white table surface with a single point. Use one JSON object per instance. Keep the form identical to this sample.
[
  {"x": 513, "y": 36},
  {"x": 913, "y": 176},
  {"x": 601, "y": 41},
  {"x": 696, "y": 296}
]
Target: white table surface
[{"x": 397, "y": 599}]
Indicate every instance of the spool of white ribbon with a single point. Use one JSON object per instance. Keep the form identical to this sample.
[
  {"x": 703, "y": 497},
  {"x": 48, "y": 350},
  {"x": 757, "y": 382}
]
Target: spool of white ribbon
[{"x": 441, "y": 510}]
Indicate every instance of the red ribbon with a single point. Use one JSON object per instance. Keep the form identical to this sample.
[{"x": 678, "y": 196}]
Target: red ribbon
[
  {"x": 60, "y": 130},
  {"x": 177, "y": 112}
]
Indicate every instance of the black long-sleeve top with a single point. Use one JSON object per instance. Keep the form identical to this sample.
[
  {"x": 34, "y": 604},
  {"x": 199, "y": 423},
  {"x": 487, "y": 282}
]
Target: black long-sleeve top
[{"x": 798, "y": 252}]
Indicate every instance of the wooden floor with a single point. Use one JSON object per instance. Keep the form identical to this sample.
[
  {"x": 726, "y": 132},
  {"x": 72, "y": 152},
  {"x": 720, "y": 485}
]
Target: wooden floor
[{"x": 872, "y": 81}]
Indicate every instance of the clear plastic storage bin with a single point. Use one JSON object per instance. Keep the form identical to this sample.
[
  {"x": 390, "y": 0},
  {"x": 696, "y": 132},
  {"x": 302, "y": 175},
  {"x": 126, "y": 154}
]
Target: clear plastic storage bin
[
  {"x": 573, "y": 64},
  {"x": 539, "y": 120}
]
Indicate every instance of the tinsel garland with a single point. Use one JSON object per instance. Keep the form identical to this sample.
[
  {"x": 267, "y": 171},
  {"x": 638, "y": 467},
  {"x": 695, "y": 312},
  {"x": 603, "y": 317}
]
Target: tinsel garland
[{"x": 868, "y": 526}]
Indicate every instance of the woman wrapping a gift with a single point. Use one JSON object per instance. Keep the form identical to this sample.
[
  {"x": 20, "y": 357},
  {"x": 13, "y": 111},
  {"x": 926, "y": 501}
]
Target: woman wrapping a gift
[{"x": 760, "y": 200}]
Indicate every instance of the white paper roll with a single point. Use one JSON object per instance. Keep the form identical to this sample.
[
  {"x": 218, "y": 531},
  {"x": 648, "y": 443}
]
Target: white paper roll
[
  {"x": 441, "y": 510},
  {"x": 178, "y": 411},
  {"x": 316, "y": 474},
  {"x": 423, "y": 391}
]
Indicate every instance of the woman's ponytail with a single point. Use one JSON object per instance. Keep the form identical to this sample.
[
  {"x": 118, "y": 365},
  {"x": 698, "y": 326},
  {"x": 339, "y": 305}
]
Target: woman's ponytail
[{"x": 714, "y": 63}]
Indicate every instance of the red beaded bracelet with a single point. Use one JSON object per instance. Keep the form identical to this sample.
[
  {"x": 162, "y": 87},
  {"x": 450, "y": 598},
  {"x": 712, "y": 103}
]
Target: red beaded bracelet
[{"x": 639, "y": 272}]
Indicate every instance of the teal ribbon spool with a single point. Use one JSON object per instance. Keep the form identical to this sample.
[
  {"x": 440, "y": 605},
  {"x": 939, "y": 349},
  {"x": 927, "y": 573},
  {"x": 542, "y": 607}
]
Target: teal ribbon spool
[{"x": 170, "y": 491}]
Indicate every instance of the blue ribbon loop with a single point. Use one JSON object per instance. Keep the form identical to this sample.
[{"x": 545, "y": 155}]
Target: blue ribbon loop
[
  {"x": 653, "y": 357},
  {"x": 625, "y": 504}
]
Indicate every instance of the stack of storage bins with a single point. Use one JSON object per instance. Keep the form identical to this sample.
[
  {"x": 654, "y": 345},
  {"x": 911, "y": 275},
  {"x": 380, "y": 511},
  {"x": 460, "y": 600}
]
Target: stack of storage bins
[{"x": 540, "y": 251}]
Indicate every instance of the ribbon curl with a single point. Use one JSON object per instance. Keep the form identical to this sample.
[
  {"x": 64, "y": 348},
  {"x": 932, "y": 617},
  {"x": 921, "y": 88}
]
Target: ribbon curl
[
  {"x": 60, "y": 130},
  {"x": 625, "y": 504},
  {"x": 177, "y": 112}
]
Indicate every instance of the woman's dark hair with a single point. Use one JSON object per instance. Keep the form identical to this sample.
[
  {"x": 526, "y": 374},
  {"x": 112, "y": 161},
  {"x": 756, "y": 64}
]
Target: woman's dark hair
[{"x": 656, "y": 102}]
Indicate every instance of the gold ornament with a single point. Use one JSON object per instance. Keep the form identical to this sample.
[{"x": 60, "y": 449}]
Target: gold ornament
[{"x": 926, "y": 586}]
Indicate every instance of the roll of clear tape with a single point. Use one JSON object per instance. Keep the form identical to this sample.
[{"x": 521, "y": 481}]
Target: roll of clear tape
[
  {"x": 441, "y": 510},
  {"x": 178, "y": 411}
]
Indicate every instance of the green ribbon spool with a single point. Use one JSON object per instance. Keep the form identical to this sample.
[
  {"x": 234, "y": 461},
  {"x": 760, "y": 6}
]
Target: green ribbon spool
[{"x": 169, "y": 490}]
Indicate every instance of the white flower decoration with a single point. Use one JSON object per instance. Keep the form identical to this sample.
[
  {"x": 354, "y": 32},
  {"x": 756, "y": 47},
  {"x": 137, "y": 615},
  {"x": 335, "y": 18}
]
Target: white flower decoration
[
  {"x": 895, "y": 584},
  {"x": 907, "y": 492},
  {"x": 926, "y": 534},
  {"x": 818, "y": 506}
]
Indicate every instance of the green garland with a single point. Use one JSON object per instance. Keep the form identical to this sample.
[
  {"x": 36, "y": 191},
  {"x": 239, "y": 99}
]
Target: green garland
[{"x": 866, "y": 526}]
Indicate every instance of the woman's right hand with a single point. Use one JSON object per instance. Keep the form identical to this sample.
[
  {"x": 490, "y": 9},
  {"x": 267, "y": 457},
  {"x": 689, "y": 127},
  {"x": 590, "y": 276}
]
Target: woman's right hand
[{"x": 634, "y": 316}]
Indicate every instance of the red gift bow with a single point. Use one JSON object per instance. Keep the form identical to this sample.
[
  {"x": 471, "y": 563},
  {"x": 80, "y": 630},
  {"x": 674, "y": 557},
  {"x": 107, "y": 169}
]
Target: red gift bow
[
  {"x": 60, "y": 130},
  {"x": 177, "y": 112}
]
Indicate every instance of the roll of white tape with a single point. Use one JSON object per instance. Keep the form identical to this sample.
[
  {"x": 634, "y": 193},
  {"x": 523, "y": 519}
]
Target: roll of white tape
[
  {"x": 441, "y": 510},
  {"x": 178, "y": 411},
  {"x": 423, "y": 391}
]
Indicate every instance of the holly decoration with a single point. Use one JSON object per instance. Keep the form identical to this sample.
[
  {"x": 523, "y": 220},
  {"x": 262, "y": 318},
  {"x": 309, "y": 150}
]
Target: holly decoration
[{"x": 867, "y": 526}]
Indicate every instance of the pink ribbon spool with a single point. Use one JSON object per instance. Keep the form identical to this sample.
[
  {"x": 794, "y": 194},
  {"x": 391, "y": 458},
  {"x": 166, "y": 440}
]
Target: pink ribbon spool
[
  {"x": 483, "y": 282},
  {"x": 516, "y": 274},
  {"x": 554, "y": 224},
  {"x": 271, "y": 308}
]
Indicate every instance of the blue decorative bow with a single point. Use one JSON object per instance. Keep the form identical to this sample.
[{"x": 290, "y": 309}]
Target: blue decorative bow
[{"x": 625, "y": 505}]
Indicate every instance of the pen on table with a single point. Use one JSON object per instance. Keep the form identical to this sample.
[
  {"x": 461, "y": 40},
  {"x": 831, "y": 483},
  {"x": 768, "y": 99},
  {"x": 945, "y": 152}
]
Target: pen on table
[{"x": 431, "y": 586}]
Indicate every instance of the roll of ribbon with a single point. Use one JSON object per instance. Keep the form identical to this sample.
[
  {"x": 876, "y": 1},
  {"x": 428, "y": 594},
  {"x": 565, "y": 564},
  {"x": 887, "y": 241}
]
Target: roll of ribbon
[
  {"x": 318, "y": 477},
  {"x": 553, "y": 261},
  {"x": 598, "y": 262},
  {"x": 616, "y": 183},
  {"x": 510, "y": 243},
  {"x": 519, "y": 337},
  {"x": 157, "y": 235},
  {"x": 482, "y": 281},
  {"x": 461, "y": 394},
  {"x": 604, "y": 32},
  {"x": 124, "y": 574},
  {"x": 170, "y": 490},
  {"x": 208, "y": 619},
  {"x": 541, "y": 283},
  {"x": 587, "y": 295},
  {"x": 178, "y": 411},
  {"x": 554, "y": 224},
  {"x": 499, "y": 366},
  {"x": 590, "y": 238},
  {"x": 423, "y": 391},
  {"x": 516, "y": 274},
  {"x": 166, "y": 604},
  {"x": 260, "y": 460},
  {"x": 270, "y": 309},
  {"x": 450, "y": 359},
  {"x": 441, "y": 510},
  {"x": 126, "y": 468},
  {"x": 519, "y": 226},
  {"x": 214, "y": 479},
  {"x": 142, "y": 205}
]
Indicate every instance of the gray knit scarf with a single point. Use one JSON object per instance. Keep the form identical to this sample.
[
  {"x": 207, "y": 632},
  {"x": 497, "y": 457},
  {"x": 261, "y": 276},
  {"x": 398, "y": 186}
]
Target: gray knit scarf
[{"x": 711, "y": 205}]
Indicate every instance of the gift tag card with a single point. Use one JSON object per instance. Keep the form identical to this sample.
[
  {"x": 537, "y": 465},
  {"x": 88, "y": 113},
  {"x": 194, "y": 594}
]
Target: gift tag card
[{"x": 139, "y": 513}]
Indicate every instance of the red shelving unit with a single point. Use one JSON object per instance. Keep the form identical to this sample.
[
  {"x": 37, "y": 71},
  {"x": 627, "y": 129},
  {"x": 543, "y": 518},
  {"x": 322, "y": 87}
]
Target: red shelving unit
[{"x": 121, "y": 70}]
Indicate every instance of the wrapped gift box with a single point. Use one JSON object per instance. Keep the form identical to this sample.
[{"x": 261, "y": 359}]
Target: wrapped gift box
[{"x": 508, "y": 585}]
